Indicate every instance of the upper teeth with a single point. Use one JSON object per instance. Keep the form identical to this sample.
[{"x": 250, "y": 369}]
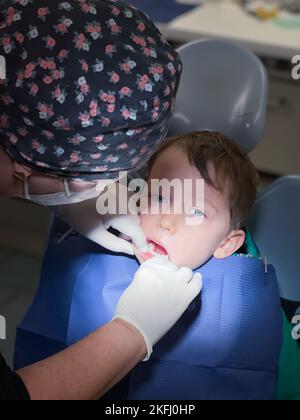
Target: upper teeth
[{"x": 152, "y": 250}]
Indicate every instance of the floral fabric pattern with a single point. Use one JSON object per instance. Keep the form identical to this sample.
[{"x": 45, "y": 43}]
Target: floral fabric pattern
[{"x": 90, "y": 86}]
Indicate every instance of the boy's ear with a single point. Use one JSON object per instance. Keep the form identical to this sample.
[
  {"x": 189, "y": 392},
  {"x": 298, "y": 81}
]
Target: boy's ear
[{"x": 231, "y": 244}]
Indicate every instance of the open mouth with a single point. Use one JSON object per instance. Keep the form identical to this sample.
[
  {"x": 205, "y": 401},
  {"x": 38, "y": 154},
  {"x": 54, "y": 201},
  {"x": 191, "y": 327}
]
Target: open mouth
[{"x": 155, "y": 250}]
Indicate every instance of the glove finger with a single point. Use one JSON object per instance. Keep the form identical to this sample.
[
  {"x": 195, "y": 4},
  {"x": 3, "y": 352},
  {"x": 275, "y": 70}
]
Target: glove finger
[
  {"x": 112, "y": 243},
  {"x": 158, "y": 260},
  {"x": 195, "y": 286},
  {"x": 162, "y": 263},
  {"x": 130, "y": 226},
  {"x": 138, "y": 238},
  {"x": 184, "y": 275}
]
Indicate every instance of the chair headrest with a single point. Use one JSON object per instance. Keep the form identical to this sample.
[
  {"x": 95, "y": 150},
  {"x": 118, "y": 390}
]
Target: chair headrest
[{"x": 224, "y": 88}]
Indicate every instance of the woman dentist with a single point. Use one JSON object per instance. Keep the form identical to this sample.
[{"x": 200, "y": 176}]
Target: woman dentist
[{"x": 88, "y": 92}]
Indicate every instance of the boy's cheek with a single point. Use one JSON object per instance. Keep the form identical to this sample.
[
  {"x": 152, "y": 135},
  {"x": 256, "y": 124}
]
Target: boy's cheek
[{"x": 192, "y": 252}]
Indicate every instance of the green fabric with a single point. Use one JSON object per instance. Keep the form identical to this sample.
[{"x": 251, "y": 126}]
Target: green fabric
[
  {"x": 289, "y": 368},
  {"x": 249, "y": 247}
]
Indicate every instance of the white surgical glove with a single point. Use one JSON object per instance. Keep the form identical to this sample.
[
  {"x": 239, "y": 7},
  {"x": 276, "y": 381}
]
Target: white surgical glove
[
  {"x": 158, "y": 296},
  {"x": 84, "y": 218}
]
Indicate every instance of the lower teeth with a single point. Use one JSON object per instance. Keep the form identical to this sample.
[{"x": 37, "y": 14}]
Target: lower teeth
[
  {"x": 152, "y": 250},
  {"x": 155, "y": 254}
]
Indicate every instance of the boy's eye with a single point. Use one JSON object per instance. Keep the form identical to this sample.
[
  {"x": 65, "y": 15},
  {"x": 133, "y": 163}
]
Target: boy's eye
[{"x": 197, "y": 212}]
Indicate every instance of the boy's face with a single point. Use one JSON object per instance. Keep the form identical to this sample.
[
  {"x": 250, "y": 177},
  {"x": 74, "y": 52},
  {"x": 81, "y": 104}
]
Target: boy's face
[{"x": 189, "y": 245}]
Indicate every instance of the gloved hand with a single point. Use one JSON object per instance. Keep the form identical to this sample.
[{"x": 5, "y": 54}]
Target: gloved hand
[
  {"x": 158, "y": 296},
  {"x": 83, "y": 218}
]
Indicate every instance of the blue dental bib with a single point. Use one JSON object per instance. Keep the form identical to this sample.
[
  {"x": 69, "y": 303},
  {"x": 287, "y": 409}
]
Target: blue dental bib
[{"x": 226, "y": 346}]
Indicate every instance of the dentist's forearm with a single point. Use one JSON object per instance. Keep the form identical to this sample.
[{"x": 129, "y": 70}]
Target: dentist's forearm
[{"x": 88, "y": 369}]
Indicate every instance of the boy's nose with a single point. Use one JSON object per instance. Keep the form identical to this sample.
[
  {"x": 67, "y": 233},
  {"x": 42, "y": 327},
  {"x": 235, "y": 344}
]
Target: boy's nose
[{"x": 169, "y": 222}]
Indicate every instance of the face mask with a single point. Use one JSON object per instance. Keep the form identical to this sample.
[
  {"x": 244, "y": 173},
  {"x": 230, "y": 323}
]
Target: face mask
[{"x": 61, "y": 198}]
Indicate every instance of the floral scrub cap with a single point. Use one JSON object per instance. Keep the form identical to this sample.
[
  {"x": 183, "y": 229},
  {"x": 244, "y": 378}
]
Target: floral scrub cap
[{"x": 90, "y": 86}]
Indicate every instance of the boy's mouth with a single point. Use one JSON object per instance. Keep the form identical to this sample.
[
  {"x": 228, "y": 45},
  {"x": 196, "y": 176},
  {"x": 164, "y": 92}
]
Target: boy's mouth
[{"x": 154, "y": 250}]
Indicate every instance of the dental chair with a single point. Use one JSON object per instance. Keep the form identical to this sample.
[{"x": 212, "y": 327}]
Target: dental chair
[
  {"x": 273, "y": 222},
  {"x": 223, "y": 88}
]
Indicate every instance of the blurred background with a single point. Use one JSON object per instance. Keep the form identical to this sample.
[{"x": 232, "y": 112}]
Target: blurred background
[{"x": 271, "y": 29}]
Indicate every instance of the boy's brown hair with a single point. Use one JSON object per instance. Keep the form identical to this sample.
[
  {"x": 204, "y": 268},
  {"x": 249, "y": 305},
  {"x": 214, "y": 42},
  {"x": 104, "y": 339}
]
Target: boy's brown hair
[{"x": 232, "y": 166}]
